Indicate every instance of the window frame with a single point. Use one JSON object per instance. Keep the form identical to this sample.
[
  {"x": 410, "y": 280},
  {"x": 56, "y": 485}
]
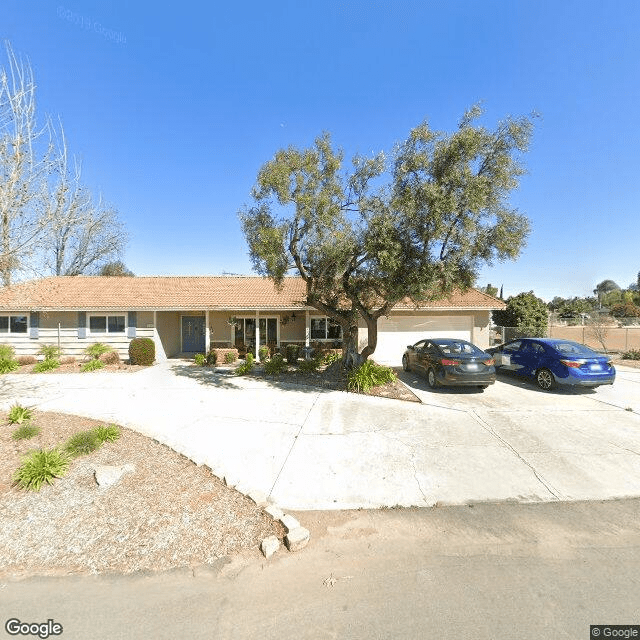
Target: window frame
[
  {"x": 326, "y": 338},
  {"x": 106, "y": 317},
  {"x": 10, "y": 315}
]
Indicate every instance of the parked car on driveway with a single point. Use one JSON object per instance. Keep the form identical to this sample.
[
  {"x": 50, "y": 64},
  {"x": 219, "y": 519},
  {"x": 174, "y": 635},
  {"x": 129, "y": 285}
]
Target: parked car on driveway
[
  {"x": 554, "y": 362},
  {"x": 450, "y": 361}
]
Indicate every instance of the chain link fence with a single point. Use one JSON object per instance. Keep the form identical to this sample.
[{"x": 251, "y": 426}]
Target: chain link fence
[{"x": 606, "y": 334}]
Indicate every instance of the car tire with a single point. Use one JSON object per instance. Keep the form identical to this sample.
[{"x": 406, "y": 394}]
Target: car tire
[
  {"x": 405, "y": 363},
  {"x": 482, "y": 387},
  {"x": 545, "y": 379},
  {"x": 432, "y": 381}
]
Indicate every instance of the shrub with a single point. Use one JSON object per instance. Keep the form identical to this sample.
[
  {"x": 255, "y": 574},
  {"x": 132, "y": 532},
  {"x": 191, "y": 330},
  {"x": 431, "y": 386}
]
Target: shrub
[
  {"x": 111, "y": 357},
  {"x": 331, "y": 357},
  {"x": 293, "y": 351},
  {"x": 107, "y": 434},
  {"x": 19, "y": 414},
  {"x": 7, "y": 366},
  {"x": 142, "y": 351},
  {"x": 67, "y": 360},
  {"x": 212, "y": 357},
  {"x": 49, "y": 351},
  {"x": 25, "y": 431},
  {"x": 309, "y": 366},
  {"x": 7, "y": 352},
  {"x": 246, "y": 367},
  {"x": 83, "y": 443},
  {"x": 22, "y": 360},
  {"x": 97, "y": 349},
  {"x": 200, "y": 359},
  {"x": 367, "y": 376},
  {"x": 632, "y": 354},
  {"x": 92, "y": 365},
  {"x": 230, "y": 357},
  {"x": 39, "y": 467},
  {"x": 263, "y": 353},
  {"x": 48, "y": 364},
  {"x": 275, "y": 365}
]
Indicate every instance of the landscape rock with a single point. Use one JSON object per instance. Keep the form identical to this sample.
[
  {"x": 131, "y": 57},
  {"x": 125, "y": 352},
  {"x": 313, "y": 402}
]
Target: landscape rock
[
  {"x": 275, "y": 512},
  {"x": 107, "y": 475},
  {"x": 297, "y": 539},
  {"x": 269, "y": 546},
  {"x": 289, "y": 522},
  {"x": 259, "y": 498}
]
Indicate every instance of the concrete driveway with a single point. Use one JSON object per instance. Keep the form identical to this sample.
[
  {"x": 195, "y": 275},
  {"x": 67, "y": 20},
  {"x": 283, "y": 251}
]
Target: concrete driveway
[{"x": 311, "y": 449}]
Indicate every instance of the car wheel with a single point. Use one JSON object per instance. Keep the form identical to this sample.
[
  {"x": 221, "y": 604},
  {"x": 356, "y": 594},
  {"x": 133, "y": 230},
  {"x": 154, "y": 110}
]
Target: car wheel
[
  {"x": 482, "y": 387},
  {"x": 545, "y": 379},
  {"x": 431, "y": 379},
  {"x": 405, "y": 363}
]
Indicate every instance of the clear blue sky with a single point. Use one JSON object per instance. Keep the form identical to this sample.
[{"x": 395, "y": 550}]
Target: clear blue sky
[{"x": 173, "y": 108}]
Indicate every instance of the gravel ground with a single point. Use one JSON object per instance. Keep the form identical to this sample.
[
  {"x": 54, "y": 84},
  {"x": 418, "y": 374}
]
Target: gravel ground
[{"x": 168, "y": 513}]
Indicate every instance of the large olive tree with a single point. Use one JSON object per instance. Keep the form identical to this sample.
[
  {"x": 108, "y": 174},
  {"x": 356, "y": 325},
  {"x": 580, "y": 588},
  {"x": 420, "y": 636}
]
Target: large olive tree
[{"x": 367, "y": 236}]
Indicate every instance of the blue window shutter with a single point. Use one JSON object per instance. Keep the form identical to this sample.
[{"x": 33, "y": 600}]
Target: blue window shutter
[
  {"x": 82, "y": 324},
  {"x": 34, "y": 325},
  {"x": 131, "y": 324}
]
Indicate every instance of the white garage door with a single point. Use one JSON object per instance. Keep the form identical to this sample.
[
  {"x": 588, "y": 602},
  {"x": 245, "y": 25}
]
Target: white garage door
[{"x": 394, "y": 334}]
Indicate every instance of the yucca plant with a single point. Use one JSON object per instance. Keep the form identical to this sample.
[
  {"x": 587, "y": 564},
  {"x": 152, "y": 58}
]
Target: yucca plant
[
  {"x": 25, "y": 431},
  {"x": 19, "y": 414},
  {"x": 39, "y": 467},
  {"x": 367, "y": 376},
  {"x": 107, "y": 434}
]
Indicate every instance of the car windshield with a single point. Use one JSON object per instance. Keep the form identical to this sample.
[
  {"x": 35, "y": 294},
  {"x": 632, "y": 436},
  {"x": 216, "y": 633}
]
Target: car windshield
[
  {"x": 457, "y": 348},
  {"x": 574, "y": 349}
]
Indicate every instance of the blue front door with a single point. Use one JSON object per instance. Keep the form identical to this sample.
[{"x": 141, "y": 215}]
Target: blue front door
[{"x": 193, "y": 334}]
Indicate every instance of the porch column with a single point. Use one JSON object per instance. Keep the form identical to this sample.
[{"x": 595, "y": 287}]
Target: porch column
[
  {"x": 233, "y": 335},
  {"x": 307, "y": 328},
  {"x": 207, "y": 336},
  {"x": 257, "y": 335}
]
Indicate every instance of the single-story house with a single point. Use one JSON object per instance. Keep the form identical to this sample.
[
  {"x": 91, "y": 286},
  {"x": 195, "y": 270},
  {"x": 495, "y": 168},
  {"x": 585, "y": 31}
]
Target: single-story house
[{"x": 190, "y": 314}]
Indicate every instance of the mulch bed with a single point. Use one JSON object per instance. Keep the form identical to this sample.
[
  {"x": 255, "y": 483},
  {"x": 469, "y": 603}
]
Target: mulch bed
[
  {"x": 76, "y": 367},
  {"x": 168, "y": 513}
]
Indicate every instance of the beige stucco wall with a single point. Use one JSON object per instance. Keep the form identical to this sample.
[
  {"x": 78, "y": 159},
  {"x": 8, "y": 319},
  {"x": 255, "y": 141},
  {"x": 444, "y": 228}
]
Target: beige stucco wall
[
  {"x": 168, "y": 326},
  {"x": 219, "y": 329}
]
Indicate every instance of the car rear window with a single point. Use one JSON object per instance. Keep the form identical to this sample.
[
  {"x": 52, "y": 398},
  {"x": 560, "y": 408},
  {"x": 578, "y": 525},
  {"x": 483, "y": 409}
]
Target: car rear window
[
  {"x": 574, "y": 349},
  {"x": 457, "y": 348}
]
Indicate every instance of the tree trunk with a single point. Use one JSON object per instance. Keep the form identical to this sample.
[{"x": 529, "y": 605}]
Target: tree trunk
[{"x": 351, "y": 359}]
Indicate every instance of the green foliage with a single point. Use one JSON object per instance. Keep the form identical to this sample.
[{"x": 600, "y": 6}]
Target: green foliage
[
  {"x": 245, "y": 368},
  {"x": 309, "y": 366},
  {"x": 375, "y": 232},
  {"x": 142, "y": 351},
  {"x": 200, "y": 359},
  {"x": 83, "y": 443},
  {"x": 110, "y": 433},
  {"x": 490, "y": 290},
  {"x": 7, "y": 352},
  {"x": 527, "y": 313},
  {"x": 48, "y": 364},
  {"x": 7, "y": 366},
  {"x": 263, "y": 353},
  {"x": 626, "y": 310},
  {"x": 212, "y": 358},
  {"x": 275, "y": 365},
  {"x": 97, "y": 349},
  {"x": 49, "y": 351},
  {"x": 331, "y": 357},
  {"x": 19, "y": 414},
  {"x": 230, "y": 357},
  {"x": 25, "y": 431},
  {"x": 293, "y": 352},
  {"x": 367, "y": 376},
  {"x": 39, "y": 467},
  {"x": 92, "y": 365},
  {"x": 116, "y": 268},
  {"x": 632, "y": 354}
]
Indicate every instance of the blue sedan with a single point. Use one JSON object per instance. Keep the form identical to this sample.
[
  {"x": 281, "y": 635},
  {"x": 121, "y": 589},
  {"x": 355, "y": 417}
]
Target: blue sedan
[{"x": 554, "y": 362}]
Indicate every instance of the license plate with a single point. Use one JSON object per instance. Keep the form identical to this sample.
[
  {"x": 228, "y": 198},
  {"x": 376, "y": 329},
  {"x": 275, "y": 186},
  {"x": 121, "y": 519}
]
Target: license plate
[
  {"x": 472, "y": 367},
  {"x": 596, "y": 367}
]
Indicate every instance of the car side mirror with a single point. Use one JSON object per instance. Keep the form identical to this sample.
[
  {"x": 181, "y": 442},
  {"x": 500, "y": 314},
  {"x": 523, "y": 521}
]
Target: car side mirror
[{"x": 409, "y": 346}]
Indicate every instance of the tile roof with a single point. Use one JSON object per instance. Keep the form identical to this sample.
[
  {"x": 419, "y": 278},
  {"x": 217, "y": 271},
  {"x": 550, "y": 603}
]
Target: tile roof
[{"x": 184, "y": 293}]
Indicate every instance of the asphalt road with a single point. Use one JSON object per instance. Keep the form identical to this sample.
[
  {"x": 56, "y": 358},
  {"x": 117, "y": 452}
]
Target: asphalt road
[{"x": 494, "y": 571}]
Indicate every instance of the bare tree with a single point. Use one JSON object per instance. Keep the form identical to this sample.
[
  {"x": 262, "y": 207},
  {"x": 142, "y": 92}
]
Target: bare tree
[
  {"x": 27, "y": 159},
  {"x": 599, "y": 330}
]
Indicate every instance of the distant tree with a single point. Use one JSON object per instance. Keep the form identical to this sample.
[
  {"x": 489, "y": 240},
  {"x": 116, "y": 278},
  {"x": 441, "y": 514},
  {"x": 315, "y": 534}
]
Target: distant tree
[
  {"x": 440, "y": 214},
  {"x": 490, "y": 290},
  {"x": 606, "y": 286},
  {"x": 117, "y": 268},
  {"x": 625, "y": 310},
  {"x": 526, "y": 313},
  {"x": 501, "y": 296}
]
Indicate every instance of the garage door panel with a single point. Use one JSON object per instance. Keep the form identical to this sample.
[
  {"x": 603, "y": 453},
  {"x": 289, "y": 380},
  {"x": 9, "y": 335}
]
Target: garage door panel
[{"x": 394, "y": 334}]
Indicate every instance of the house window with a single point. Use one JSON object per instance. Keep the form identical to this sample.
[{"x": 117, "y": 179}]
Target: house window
[
  {"x": 106, "y": 324},
  {"x": 13, "y": 324},
  {"x": 325, "y": 329}
]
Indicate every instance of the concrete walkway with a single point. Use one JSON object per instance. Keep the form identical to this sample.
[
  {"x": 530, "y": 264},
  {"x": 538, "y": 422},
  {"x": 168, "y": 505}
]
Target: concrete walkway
[{"x": 311, "y": 449}]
